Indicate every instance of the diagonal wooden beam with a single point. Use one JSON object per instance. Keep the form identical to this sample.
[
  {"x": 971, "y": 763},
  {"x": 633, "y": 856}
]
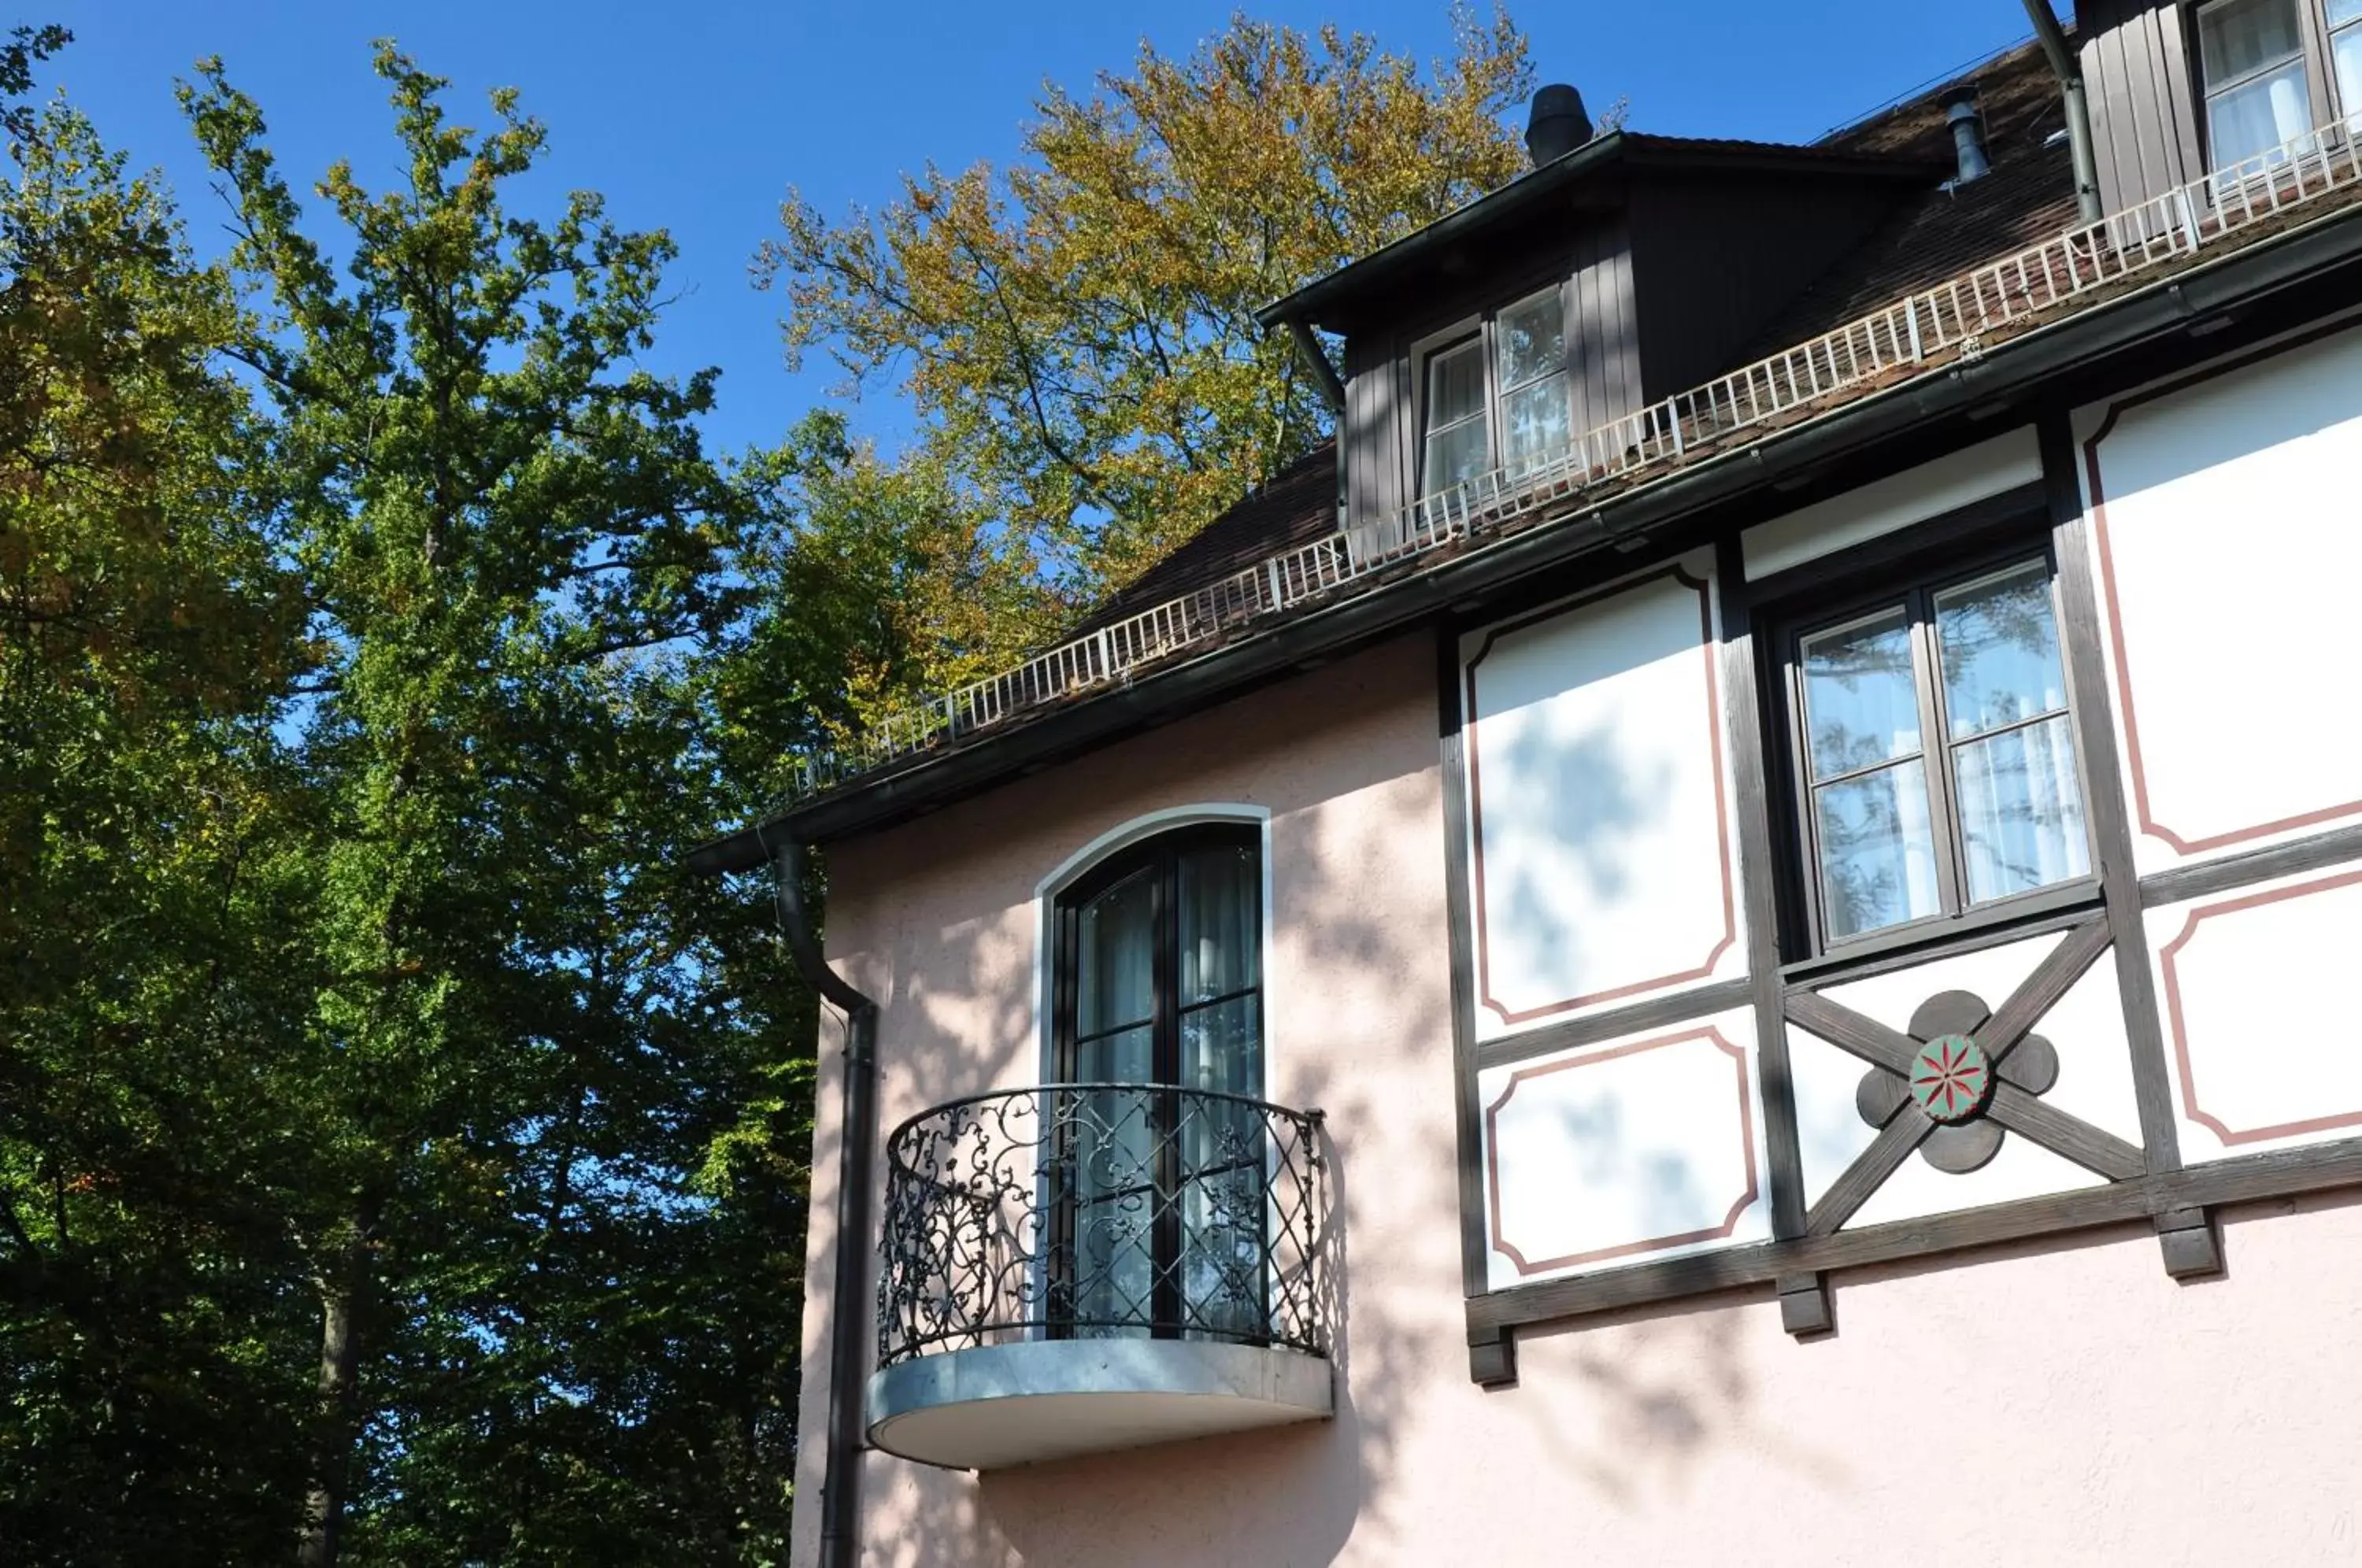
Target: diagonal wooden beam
[
  {"x": 1895, "y": 1143},
  {"x": 2040, "y": 991},
  {"x": 2071, "y": 1136},
  {"x": 1847, "y": 1030}
]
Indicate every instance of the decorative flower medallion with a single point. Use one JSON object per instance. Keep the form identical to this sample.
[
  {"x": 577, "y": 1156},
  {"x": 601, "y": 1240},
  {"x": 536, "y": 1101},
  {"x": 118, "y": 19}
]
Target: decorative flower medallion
[{"x": 1950, "y": 1079}]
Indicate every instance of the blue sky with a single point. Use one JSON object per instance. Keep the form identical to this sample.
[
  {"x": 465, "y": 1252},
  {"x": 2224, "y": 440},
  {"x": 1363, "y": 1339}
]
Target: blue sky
[{"x": 696, "y": 116}]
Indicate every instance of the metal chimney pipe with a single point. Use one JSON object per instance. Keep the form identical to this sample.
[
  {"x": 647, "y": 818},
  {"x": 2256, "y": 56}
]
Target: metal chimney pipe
[
  {"x": 1556, "y": 124},
  {"x": 1968, "y": 137}
]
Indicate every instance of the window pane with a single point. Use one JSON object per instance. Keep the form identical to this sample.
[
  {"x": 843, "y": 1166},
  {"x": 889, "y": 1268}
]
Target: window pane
[
  {"x": 2250, "y": 121},
  {"x": 1878, "y": 851},
  {"x": 1457, "y": 454},
  {"x": 1533, "y": 340},
  {"x": 1115, "y": 965},
  {"x": 2021, "y": 811},
  {"x": 1111, "y": 1142},
  {"x": 1126, "y": 1056},
  {"x": 1539, "y": 428},
  {"x": 2347, "y": 48},
  {"x": 2246, "y": 36},
  {"x": 1455, "y": 384},
  {"x": 1221, "y": 1048},
  {"x": 1999, "y": 644},
  {"x": 1861, "y": 701},
  {"x": 1221, "y": 906},
  {"x": 1223, "y": 1209}
]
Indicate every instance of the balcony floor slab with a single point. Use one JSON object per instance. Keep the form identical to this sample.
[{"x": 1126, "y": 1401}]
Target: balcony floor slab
[{"x": 997, "y": 1406}]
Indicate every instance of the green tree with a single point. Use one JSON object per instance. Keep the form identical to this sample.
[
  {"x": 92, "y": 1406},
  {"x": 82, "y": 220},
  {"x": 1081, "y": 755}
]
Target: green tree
[
  {"x": 146, "y": 628},
  {"x": 546, "y": 1085},
  {"x": 1078, "y": 331}
]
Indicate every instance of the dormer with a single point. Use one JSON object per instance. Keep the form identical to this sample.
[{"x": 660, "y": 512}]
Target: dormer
[
  {"x": 1618, "y": 272},
  {"x": 2181, "y": 90}
]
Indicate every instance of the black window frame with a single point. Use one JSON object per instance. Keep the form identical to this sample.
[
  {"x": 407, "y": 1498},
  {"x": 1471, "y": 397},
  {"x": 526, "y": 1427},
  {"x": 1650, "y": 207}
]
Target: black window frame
[
  {"x": 1911, "y": 570},
  {"x": 1160, "y": 853}
]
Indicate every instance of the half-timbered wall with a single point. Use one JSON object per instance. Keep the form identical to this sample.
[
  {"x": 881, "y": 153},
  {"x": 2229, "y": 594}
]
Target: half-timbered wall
[
  {"x": 2223, "y": 519},
  {"x": 1603, "y": 876},
  {"x": 1677, "y": 1088}
]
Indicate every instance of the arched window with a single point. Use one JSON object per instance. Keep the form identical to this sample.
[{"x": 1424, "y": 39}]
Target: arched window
[{"x": 1158, "y": 1007}]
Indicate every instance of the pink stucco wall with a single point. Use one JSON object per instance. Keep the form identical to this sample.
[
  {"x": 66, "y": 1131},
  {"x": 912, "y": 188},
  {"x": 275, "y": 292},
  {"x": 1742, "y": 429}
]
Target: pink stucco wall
[{"x": 2059, "y": 1403}]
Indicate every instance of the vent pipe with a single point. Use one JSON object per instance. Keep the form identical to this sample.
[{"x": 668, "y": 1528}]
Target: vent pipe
[
  {"x": 1968, "y": 136},
  {"x": 2079, "y": 109},
  {"x": 1555, "y": 124}
]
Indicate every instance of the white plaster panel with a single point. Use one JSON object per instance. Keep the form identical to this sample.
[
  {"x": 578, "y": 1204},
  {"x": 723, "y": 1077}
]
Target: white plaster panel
[
  {"x": 2095, "y": 1083},
  {"x": 2262, "y": 1039},
  {"x": 1602, "y": 858},
  {"x": 1625, "y": 1151},
  {"x": 2225, "y": 527},
  {"x": 1932, "y": 488}
]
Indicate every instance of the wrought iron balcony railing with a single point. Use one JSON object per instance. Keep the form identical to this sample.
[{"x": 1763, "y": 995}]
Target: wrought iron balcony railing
[
  {"x": 1959, "y": 318},
  {"x": 1102, "y": 1211}
]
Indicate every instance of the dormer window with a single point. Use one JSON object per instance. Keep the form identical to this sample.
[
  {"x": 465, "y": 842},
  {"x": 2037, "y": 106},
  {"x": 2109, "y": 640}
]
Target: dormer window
[
  {"x": 1530, "y": 339},
  {"x": 2256, "y": 99},
  {"x": 1508, "y": 375},
  {"x": 2345, "y": 54},
  {"x": 1459, "y": 444}
]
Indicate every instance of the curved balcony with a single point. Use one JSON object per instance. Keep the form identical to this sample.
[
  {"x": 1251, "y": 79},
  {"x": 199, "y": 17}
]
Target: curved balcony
[{"x": 1082, "y": 1268}]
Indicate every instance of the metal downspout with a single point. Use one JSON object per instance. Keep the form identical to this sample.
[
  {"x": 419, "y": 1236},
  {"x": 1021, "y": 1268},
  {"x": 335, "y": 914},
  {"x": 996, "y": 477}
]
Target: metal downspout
[
  {"x": 840, "y": 1496},
  {"x": 1316, "y": 359},
  {"x": 2079, "y": 109}
]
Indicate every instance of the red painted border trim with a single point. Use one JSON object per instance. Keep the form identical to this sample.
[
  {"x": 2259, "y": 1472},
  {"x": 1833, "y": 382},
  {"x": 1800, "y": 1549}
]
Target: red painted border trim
[
  {"x": 1709, "y": 649},
  {"x": 2183, "y": 1070},
  {"x": 2123, "y": 675},
  {"x": 1747, "y": 1148}
]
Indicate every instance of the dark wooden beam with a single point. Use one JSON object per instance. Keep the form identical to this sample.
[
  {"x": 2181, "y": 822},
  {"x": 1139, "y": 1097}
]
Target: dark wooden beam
[
  {"x": 2281, "y": 1174},
  {"x": 1549, "y": 1039},
  {"x": 2095, "y": 737},
  {"x": 2078, "y": 1140},
  {"x": 1895, "y": 1143},
  {"x": 1758, "y": 865},
  {"x": 1467, "y": 1113}
]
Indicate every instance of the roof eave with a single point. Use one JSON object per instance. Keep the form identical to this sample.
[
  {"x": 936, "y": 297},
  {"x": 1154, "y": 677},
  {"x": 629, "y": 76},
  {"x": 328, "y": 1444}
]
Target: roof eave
[
  {"x": 1592, "y": 160},
  {"x": 2008, "y": 369}
]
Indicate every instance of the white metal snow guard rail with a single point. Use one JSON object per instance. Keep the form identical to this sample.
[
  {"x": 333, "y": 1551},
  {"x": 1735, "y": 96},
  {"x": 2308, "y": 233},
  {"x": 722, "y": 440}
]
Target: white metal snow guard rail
[{"x": 1951, "y": 319}]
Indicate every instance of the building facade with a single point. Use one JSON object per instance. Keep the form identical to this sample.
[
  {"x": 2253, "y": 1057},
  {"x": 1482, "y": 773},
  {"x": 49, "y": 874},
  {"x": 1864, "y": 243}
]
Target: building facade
[{"x": 1719, "y": 935}]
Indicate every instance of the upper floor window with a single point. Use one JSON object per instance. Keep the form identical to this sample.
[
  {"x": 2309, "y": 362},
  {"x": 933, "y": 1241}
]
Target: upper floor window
[
  {"x": 2252, "y": 53},
  {"x": 1509, "y": 376},
  {"x": 2345, "y": 53},
  {"x": 1935, "y": 751}
]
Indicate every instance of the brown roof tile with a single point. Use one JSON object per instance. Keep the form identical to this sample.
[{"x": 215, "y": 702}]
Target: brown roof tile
[
  {"x": 1294, "y": 507},
  {"x": 2027, "y": 198}
]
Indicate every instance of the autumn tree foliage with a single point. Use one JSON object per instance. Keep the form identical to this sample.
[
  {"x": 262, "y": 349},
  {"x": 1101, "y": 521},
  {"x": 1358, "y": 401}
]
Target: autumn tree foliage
[{"x": 1077, "y": 330}]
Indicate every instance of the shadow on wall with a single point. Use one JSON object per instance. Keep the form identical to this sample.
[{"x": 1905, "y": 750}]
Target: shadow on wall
[
  {"x": 1358, "y": 922},
  {"x": 1579, "y": 795}
]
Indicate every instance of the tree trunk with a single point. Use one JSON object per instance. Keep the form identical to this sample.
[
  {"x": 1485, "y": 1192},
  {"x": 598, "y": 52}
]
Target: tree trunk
[{"x": 336, "y": 1432}]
